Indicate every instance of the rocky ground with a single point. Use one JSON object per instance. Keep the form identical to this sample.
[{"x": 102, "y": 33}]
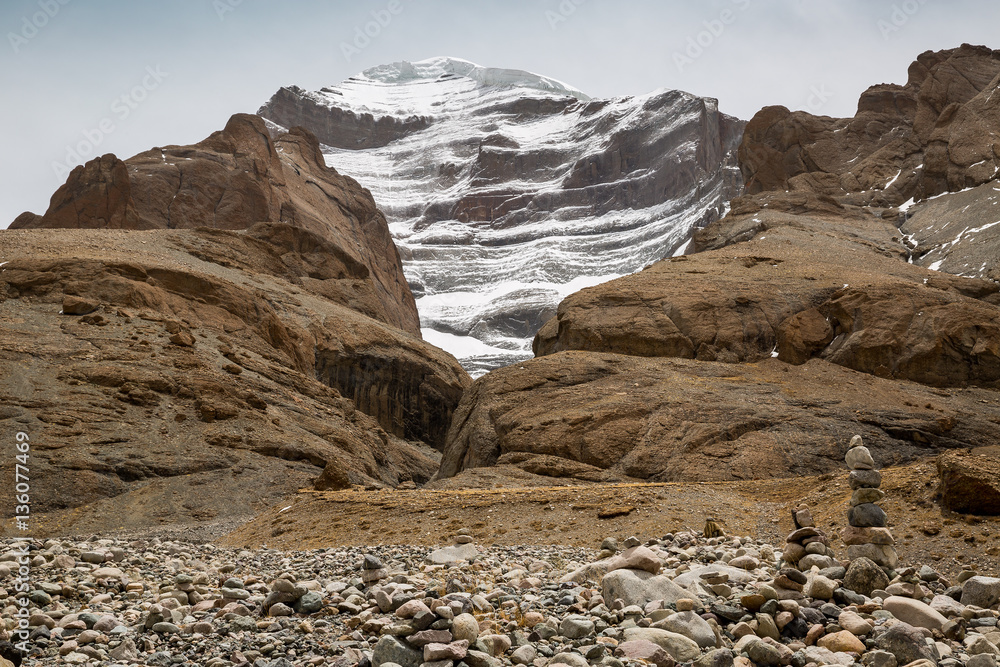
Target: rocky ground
[
  {"x": 170, "y": 596},
  {"x": 682, "y": 598}
]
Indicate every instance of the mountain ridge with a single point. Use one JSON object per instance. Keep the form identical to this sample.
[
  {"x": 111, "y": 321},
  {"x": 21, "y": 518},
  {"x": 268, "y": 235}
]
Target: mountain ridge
[{"x": 532, "y": 188}]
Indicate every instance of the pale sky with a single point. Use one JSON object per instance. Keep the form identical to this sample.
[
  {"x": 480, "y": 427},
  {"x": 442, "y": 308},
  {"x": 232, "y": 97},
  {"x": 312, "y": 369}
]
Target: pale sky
[{"x": 130, "y": 75}]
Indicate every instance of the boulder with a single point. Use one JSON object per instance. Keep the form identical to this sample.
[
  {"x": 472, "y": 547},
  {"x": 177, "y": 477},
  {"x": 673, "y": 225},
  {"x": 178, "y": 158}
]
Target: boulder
[
  {"x": 970, "y": 484},
  {"x": 678, "y": 647},
  {"x": 691, "y": 625},
  {"x": 638, "y": 587},
  {"x": 906, "y": 643},
  {"x": 645, "y": 650},
  {"x": 453, "y": 555},
  {"x": 981, "y": 591},
  {"x": 864, "y": 576},
  {"x": 914, "y": 612},
  {"x": 391, "y": 649},
  {"x": 636, "y": 558}
]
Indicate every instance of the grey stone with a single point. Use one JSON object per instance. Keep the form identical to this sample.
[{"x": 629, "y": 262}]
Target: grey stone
[
  {"x": 866, "y": 495},
  {"x": 878, "y": 659},
  {"x": 524, "y": 655},
  {"x": 982, "y": 660},
  {"x": 679, "y": 647},
  {"x": 864, "y": 479},
  {"x": 914, "y": 612},
  {"x": 881, "y": 554},
  {"x": 242, "y": 623},
  {"x": 691, "y": 625},
  {"x": 638, "y": 587},
  {"x": 864, "y": 576},
  {"x": 859, "y": 458},
  {"x": 981, "y": 591},
  {"x": 867, "y": 515},
  {"x": 721, "y": 657},
  {"x": 480, "y": 659},
  {"x": 576, "y": 627},
  {"x": 906, "y": 643},
  {"x": 980, "y": 645},
  {"x": 461, "y": 553},
  {"x": 763, "y": 654},
  {"x": 309, "y": 603},
  {"x": 165, "y": 628},
  {"x": 392, "y": 649}
]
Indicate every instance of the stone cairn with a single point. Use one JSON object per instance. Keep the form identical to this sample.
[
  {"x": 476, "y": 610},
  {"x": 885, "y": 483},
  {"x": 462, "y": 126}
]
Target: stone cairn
[
  {"x": 866, "y": 535},
  {"x": 372, "y": 570},
  {"x": 807, "y": 545}
]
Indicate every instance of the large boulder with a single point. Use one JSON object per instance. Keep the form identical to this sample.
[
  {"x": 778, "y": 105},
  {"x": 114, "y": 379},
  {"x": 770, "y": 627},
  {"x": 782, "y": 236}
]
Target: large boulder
[
  {"x": 969, "y": 484},
  {"x": 906, "y": 643},
  {"x": 638, "y": 587},
  {"x": 864, "y": 576},
  {"x": 981, "y": 591},
  {"x": 679, "y": 647},
  {"x": 914, "y": 612}
]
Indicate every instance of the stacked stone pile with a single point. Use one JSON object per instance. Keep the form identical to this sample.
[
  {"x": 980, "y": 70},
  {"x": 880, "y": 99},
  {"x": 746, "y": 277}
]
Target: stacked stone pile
[
  {"x": 807, "y": 546},
  {"x": 867, "y": 534}
]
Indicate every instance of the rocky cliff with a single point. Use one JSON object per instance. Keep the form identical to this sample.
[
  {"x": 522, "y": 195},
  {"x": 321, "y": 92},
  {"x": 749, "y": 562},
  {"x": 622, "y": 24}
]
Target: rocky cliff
[
  {"x": 198, "y": 330},
  {"x": 506, "y": 191},
  {"x": 809, "y": 277}
]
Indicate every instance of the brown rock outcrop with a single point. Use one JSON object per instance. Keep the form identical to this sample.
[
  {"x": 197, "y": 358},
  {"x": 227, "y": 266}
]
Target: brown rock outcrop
[
  {"x": 312, "y": 226},
  {"x": 663, "y": 419},
  {"x": 809, "y": 267},
  {"x": 925, "y": 138},
  {"x": 234, "y": 179},
  {"x": 797, "y": 294},
  {"x": 970, "y": 483},
  {"x": 245, "y": 326},
  {"x": 196, "y": 390}
]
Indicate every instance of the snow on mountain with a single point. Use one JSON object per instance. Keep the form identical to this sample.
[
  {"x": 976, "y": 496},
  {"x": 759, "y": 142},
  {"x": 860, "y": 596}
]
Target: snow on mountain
[{"x": 507, "y": 190}]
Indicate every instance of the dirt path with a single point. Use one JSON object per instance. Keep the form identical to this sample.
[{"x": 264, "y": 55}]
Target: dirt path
[{"x": 583, "y": 516}]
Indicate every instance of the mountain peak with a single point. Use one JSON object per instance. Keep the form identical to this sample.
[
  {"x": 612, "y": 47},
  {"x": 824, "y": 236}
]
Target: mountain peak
[{"x": 443, "y": 68}]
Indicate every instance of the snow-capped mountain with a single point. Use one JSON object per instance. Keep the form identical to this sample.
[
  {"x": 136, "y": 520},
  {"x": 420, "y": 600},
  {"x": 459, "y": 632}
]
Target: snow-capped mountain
[{"x": 506, "y": 191}]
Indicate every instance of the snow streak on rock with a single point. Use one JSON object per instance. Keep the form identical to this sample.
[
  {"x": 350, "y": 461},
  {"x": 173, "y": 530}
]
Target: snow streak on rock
[{"x": 506, "y": 190}]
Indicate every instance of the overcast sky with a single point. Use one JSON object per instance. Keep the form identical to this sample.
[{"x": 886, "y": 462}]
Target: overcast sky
[{"x": 134, "y": 74}]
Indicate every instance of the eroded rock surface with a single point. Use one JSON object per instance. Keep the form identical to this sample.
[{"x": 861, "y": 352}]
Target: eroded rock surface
[{"x": 230, "y": 322}]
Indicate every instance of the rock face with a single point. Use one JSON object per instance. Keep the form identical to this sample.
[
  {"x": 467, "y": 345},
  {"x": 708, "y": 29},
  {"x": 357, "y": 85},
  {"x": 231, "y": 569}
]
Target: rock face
[
  {"x": 213, "y": 370},
  {"x": 970, "y": 484},
  {"x": 506, "y": 191},
  {"x": 927, "y": 137},
  {"x": 808, "y": 267},
  {"x": 610, "y": 417},
  {"x": 234, "y": 179}
]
